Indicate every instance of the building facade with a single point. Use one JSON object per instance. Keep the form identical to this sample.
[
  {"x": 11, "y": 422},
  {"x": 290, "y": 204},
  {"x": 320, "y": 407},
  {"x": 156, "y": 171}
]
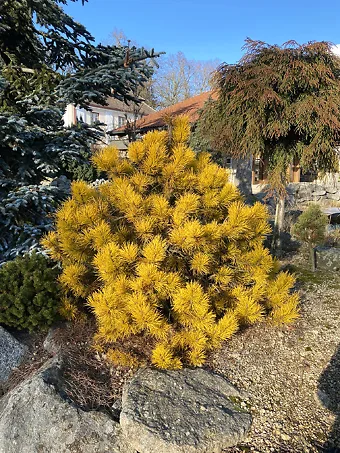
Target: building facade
[{"x": 114, "y": 115}]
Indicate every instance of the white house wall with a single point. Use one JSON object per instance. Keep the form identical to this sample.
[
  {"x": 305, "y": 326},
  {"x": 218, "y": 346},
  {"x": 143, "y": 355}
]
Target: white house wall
[{"x": 107, "y": 116}]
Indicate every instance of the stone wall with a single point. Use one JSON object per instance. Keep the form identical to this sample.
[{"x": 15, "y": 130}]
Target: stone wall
[
  {"x": 324, "y": 192},
  {"x": 319, "y": 192}
]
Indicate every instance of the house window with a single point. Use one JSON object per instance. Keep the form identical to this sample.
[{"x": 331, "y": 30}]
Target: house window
[
  {"x": 94, "y": 117},
  {"x": 228, "y": 162},
  {"x": 121, "y": 121},
  {"x": 258, "y": 170},
  {"x": 308, "y": 175}
]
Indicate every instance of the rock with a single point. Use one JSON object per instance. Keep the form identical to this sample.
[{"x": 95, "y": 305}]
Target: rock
[
  {"x": 34, "y": 418},
  {"x": 334, "y": 196},
  {"x": 186, "y": 411},
  {"x": 50, "y": 344},
  {"x": 319, "y": 193},
  {"x": 12, "y": 354},
  {"x": 285, "y": 437},
  {"x": 328, "y": 258},
  {"x": 332, "y": 190}
]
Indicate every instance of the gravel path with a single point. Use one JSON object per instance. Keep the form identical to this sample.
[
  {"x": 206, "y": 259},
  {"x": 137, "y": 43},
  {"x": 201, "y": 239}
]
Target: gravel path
[{"x": 290, "y": 374}]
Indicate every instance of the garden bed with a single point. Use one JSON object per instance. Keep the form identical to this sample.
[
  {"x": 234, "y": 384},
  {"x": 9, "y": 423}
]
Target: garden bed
[{"x": 293, "y": 391}]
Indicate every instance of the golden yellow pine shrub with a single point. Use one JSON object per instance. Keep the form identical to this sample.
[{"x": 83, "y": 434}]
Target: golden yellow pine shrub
[{"x": 167, "y": 254}]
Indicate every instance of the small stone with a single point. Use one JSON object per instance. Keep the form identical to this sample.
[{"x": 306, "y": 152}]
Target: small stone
[
  {"x": 319, "y": 193},
  {"x": 285, "y": 437}
]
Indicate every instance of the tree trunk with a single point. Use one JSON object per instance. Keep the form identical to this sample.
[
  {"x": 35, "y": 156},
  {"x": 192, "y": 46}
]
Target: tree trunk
[
  {"x": 312, "y": 258},
  {"x": 276, "y": 246}
]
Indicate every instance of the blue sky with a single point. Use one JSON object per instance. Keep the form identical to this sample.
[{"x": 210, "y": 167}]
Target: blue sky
[{"x": 210, "y": 29}]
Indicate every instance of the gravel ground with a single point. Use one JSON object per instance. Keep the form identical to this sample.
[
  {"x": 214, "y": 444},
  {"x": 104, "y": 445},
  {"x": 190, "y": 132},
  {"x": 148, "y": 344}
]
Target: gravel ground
[{"x": 291, "y": 375}]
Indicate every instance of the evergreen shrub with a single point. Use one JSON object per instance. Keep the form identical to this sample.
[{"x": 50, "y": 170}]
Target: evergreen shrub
[
  {"x": 310, "y": 228},
  {"x": 167, "y": 254},
  {"x": 29, "y": 292}
]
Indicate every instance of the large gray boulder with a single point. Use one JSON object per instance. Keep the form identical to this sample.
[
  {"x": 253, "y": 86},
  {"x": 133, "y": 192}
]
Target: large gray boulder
[
  {"x": 328, "y": 258},
  {"x": 186, "y": 411},
  {"x": 35, "y": 419},
  {"x": 12, "y": 353}
]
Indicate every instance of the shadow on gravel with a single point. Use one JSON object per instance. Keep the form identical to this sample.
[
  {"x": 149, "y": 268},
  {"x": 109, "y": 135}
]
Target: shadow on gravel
[{"x": 329, "y": 395}]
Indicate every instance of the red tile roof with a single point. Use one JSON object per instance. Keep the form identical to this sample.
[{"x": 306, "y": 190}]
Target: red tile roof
[
  {"x": 189, "y": 107},
  {"x": 116, "y": 104}
]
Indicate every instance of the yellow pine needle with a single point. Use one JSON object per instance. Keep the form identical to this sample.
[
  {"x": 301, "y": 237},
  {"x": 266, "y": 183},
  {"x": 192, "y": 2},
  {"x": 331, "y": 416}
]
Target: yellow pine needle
[
  {"x": 136, "y": 152},
  {"x": 123, "y": 168},
  {"x": 106, "y": 159},
  {"x": 210, "y": 199},
  {"x": 182, "y": 157},
  {"x": 108, "y": 261},
  {"x": 121, "y": 358},
  {"x": 197, "y": 356},
  {"x": 65, "y": 215},
  {"x": 228, "y": 194},
  {"x": 51, "y": 243},
  {"x": 143, "y": 247},
  {"x": 200, "y": 263},
  {"x": 288, "y": 312},
  {"x": 186, "y": 205},
  {"x": 129, "y": 253},
  {"x": 91, "y": 213},
  {"x": 193, "y": 343},
  {"x": 100, "y": 235},
  {"x": 259, "y": 258},
  {"x": 68, "y": 309},
  {"x": 73, "y": 277},
  {"x": 247, "y": 310},
  {"x": 141, "y": 181},
  {"x": 236, "y": 225},
  {"x": 164, "y": 358},
  {"x": 82, "y": 192},
  {"x": 167, "y": 284},
  {"x": 155, "y": 250},
  {"x": 213, "y": 232},
  {"x": 147, "y": 277},
  {"x": 121, "y": 284},
  {"x": 110, "y": 309},
  {"x": 225, "y": 327},
  {"x": 191, "y": 306},
  {"x": 210, "y": 177},
  {"x": 155, "y": 158},
  {"x": 224, "y": 276},
  {"x": 144, "y": 227},
  {"x": 203, "y": 159},
  {"x": 189, "y": 236},
  {"x": 145, "y": 316},
  {"x": 279, "y": 288},
  {"x": 126, "y": 199},
  {"x": 180, "y": 129},
  {"x": 155, "y": 138}
]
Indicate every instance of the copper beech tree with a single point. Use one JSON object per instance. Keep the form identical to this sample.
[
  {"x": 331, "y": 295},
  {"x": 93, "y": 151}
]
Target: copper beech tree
[
  {"x": 277, "y": 104},
  {"x": 166, "y": 253}
]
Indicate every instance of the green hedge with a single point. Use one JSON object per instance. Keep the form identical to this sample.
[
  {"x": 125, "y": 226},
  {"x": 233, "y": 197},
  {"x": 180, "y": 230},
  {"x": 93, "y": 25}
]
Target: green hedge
[{"x": 29, "y": 293}]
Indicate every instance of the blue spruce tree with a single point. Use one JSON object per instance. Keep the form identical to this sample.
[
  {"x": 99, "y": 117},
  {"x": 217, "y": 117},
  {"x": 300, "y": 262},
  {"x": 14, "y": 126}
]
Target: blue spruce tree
[{"x": 47, "y": 60}]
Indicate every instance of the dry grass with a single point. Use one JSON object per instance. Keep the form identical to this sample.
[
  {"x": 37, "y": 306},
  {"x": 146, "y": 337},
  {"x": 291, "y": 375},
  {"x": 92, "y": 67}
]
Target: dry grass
[
  {"x": 37, "y": 356},
  {"x": 88, "y": 380}
]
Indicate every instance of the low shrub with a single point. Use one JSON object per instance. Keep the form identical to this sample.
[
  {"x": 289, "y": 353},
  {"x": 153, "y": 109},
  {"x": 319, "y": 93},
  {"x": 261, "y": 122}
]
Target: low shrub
[
  {"x": 310, "y": 228},
  {"x": 29, "y": 292},
  {"x": 167, "y": 254}
]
